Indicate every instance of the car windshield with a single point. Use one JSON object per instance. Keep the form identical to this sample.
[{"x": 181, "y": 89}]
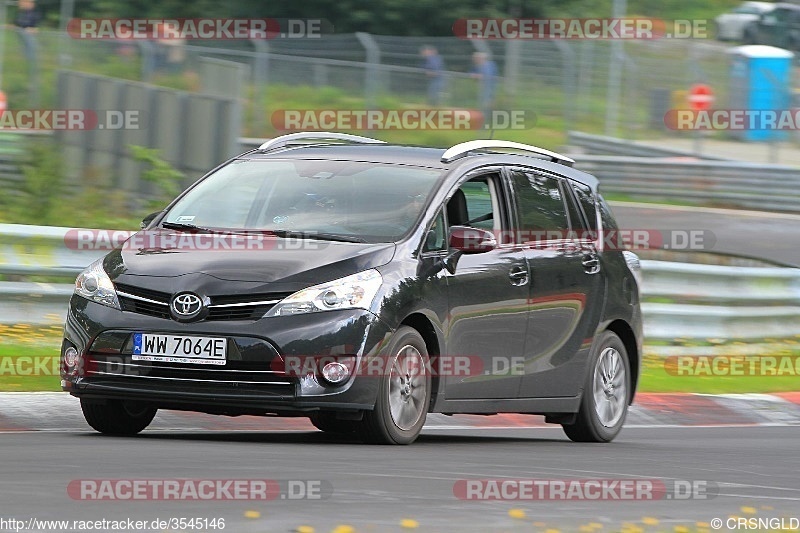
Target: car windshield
[{"x": 358, "y": 201}]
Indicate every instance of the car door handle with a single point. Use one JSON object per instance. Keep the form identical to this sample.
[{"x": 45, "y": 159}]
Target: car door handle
[
  {"x": 591, "y": 263},
  {"x": 518, "y": 276}
]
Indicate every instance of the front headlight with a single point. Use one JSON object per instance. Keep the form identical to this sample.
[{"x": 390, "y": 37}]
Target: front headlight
[
  {"x": 95, "y": 285},
  {"x": 351, "y": 292}
]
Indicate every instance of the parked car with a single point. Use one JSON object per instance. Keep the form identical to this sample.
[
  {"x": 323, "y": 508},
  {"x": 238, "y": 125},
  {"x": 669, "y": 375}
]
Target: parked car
[
  {"x": 778, "y": 27},
  {"x": 731, "y": 26},
  {"x": 390, "y": 282}
]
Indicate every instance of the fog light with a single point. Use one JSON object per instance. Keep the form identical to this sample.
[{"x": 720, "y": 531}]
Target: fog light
[
  {"x": 331, "y": 299},
  {"x": 71, "y": 357},
  {"x": 335, "y": 372}
]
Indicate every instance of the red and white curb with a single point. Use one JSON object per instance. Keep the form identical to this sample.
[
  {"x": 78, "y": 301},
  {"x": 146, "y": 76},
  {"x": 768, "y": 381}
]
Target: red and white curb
[{"x": 55, "y": 411}]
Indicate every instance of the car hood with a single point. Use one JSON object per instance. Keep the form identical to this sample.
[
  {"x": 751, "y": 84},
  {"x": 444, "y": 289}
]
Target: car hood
[{"x": 271, "y": 260}]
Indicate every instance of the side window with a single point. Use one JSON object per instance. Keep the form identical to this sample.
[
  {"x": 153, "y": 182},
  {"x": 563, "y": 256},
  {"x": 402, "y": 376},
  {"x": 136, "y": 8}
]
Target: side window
[
  {"x": 435, "y": 239},
  {"x": 539, "y": 203},
  {"x": 587, "y": 203},
  {"x": 476, "y": 204},
  {"x": 480, "y": 211}
]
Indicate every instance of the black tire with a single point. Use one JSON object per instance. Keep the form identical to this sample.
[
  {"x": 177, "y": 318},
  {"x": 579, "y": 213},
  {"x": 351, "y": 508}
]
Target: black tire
[
  {"x": 590, "y": 425},
  {"x": 326, "y": 421},
  {"x": 116, "y": 417},
  {"x": 410, "y": 396}
]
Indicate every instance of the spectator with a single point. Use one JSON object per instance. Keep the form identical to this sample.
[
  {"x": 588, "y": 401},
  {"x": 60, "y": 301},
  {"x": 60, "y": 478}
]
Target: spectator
[
  {"x": 170, "y": 50},
  {"x": 27, "y": 15},
  {"x": 434, "y": 69},
  {"x": 485, "y": 70},
  {"x": 26, "y": 21}
]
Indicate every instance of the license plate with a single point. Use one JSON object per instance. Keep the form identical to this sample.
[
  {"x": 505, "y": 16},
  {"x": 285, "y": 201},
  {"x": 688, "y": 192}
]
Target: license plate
[{"x": 179, "y": 349}]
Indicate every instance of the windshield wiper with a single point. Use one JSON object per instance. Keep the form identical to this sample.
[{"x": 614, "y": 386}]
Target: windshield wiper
[
  {"x": 335, "y": 237},
  {"x": 180, "y": 226}
]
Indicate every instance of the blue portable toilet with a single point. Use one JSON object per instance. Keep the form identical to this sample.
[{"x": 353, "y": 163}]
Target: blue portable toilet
[{"x": 761, "y": 79}]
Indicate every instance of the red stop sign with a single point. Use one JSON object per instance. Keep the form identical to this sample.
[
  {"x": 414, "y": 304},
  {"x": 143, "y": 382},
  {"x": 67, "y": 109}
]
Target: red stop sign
[{"x": 701, "y": 97}]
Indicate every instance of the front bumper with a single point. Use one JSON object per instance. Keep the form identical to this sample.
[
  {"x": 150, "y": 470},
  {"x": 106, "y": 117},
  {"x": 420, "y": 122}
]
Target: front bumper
[{"x": 253, "y": 380}]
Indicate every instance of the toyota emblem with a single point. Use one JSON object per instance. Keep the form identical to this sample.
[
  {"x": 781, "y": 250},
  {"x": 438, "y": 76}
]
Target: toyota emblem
[{"x": 187, "y": 305}]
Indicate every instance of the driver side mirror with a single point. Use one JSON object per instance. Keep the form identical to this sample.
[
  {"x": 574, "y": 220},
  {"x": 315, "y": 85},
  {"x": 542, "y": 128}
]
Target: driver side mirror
[
  {"x": 148, "y": 219},
  {"x": 471, "y": 240}
]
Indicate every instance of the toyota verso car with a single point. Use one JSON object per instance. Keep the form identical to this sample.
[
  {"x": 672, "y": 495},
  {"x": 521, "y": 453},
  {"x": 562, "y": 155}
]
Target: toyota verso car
[{"x": 364, "y": 285}]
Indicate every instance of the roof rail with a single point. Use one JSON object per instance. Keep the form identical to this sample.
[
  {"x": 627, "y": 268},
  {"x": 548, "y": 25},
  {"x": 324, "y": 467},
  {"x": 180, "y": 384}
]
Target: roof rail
[
  {"x": 286, "y": 140},
  {"x": 461, "y": 150}
]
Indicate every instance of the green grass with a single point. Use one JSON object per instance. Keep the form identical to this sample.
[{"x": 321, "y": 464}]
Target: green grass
[
  {"x": 29, "y": 358},
  {"x": 655, "y": 378},
  {"x": 42, "y": 344}
]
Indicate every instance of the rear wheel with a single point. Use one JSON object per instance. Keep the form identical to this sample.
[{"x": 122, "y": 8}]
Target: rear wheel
[
  {"x": 117, "y": 417},
  {"x": 404, "y": 393},
  {"x": 606, "y": 394}
]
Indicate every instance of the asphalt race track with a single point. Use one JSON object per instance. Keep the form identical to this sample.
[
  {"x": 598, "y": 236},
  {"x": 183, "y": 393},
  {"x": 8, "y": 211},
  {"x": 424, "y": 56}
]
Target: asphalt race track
[
  {"x": 375, "y": 487},
  {"x": 744, "y": 470},
  {"x": 770, "y": 236}
]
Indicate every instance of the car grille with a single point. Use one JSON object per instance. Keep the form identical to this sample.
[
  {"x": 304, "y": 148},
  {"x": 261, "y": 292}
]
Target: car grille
[
  {"x": 244, "y": 306},
  {"x": 143, "y": 301},
  {"x": 229, "y": 307},
  {"x": 253, "y": 365}
]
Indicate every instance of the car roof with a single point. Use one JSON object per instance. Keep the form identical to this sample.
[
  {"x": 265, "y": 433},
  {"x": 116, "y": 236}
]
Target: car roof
[{"x": 419, "y": 156}]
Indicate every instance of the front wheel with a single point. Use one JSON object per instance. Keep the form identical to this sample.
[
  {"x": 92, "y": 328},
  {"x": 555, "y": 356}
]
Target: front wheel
[
  {"x": 404, "y": 393},
  {"x": 117, "y": 417},
  {"x": 606, "y": 395}
]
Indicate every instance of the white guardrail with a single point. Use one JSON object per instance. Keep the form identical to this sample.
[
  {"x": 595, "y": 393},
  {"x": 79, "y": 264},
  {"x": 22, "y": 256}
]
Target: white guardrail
[{"x": 681, "y": 300}]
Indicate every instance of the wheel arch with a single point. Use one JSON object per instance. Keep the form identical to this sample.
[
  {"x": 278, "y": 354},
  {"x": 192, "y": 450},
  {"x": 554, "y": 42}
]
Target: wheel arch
[
  {"x": 624, "y": 331},
  {"x": 424, "y": 326}
]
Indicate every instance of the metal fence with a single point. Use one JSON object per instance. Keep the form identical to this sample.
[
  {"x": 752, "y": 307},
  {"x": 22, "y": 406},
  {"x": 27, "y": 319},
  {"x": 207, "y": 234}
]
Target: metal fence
[
  {"x": 756, "y": 186},
  {"x": 681, "y": 300},
  {"x": 603, "y": 145},
  {"x": 662, "y": 175},
  {"x": 192, "y": 131},
  {"x": 570, "y": 81}
]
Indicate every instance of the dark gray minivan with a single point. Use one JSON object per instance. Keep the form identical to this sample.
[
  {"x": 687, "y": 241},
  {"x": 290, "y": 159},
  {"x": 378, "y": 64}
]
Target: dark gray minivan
[{"x": 364, "y": 285}]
